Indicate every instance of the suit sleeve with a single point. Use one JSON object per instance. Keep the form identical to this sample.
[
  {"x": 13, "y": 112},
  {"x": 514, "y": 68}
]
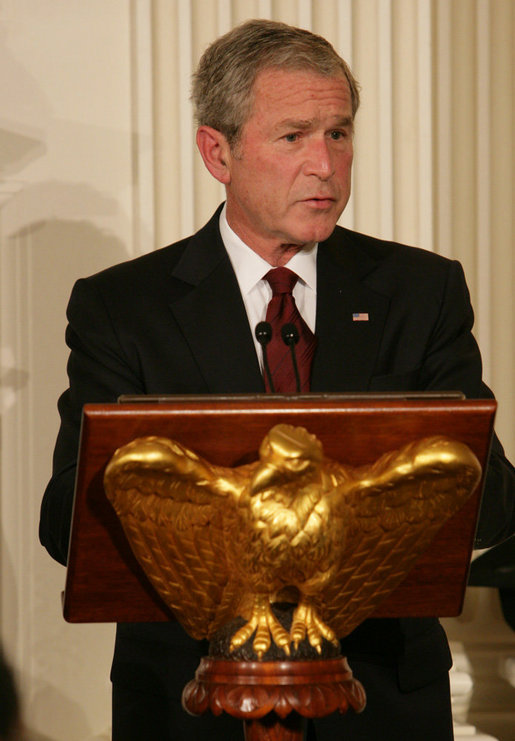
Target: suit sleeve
[
  {"x": 98, "y": 371},
  {"x": 454, "y": 362}
]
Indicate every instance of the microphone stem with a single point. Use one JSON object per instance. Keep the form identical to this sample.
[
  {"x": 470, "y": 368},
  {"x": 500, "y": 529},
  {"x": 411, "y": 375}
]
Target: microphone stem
[
  {"x": 295, "y": 367},
  {"x": 267, "y": 369}
]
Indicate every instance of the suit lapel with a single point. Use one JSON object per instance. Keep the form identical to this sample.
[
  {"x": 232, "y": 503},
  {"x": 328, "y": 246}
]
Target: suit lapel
[
  {"x": 347, "y": 349},
  {"x": 209, "y": 310},
  {"x": 211, "y": 315}
]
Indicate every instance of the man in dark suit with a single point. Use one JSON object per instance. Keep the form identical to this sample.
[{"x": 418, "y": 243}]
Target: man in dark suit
[{"x": 275, "y": 107}]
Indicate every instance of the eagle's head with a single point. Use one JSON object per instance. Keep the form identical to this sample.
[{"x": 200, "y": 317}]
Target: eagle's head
[{"x": 286, "y": 453}]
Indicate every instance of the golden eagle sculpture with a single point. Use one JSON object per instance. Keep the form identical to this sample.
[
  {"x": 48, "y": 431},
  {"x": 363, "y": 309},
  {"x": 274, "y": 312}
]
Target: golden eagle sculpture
[{"x": 294, "y": 526}]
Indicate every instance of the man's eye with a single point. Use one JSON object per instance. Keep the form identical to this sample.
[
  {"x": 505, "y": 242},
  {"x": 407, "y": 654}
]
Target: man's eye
[
  {"x": 291, "y": 137},
  {"x": 338, "y": 134}
]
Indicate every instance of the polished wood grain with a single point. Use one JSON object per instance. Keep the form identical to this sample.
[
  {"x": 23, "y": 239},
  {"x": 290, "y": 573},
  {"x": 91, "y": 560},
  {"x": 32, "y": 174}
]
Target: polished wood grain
[
  {"x": 273, "y": 697},
  {"x": 105, "y": 582}
]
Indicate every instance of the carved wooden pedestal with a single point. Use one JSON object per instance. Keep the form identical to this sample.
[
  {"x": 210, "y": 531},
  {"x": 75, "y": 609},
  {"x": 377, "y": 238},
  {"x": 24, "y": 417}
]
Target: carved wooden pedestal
[{"x": 272, "y": 697}]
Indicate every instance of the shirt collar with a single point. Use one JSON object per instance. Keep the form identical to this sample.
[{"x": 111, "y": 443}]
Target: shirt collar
[{"x": 250, "y": 267}]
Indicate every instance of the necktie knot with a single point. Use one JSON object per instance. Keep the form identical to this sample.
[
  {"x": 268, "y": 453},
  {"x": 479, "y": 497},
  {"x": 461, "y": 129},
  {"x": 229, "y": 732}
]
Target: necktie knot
[{"x": 281, "y": 280}]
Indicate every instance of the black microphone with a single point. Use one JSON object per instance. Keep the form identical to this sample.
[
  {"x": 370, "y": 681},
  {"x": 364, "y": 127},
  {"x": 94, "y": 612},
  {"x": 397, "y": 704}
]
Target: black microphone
[
  {"x": 290, "y": 335},
  {"x": 263, "y": 334}
]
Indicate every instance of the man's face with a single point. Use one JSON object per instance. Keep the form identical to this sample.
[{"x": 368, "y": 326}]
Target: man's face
[{"x": 290, "y": 173}]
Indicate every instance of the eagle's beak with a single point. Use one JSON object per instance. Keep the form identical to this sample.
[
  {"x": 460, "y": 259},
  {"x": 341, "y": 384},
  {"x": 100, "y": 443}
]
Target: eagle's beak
[{"x": 266, "y": 475}]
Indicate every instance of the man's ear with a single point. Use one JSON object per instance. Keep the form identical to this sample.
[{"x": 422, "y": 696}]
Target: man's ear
[{"x": 215, "y": 152}]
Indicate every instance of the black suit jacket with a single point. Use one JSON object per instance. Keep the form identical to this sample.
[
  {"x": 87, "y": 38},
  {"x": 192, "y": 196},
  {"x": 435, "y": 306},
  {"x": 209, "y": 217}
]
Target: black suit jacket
[{"x": 173, "y": 321}]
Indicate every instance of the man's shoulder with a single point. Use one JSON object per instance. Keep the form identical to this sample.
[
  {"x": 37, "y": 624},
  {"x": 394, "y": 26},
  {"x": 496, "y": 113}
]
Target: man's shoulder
[
  {"x": 391, "y": 265},
  {"x": 161, "y": 262},
  {"x": 385, "y": 251}
]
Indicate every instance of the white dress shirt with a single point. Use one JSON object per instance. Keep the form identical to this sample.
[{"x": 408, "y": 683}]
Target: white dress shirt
[{"x": 250, "y": 270}]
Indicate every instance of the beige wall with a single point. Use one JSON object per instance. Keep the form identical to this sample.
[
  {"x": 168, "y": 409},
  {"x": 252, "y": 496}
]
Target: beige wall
[{"x": 97, "y": 164}]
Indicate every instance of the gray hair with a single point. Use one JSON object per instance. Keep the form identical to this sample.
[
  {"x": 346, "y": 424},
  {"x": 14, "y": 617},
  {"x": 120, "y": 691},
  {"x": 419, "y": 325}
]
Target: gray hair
[{"x": 222, "y": 91}]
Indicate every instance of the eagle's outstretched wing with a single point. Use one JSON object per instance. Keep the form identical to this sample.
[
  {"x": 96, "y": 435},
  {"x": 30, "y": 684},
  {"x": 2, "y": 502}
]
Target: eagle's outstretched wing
[
  {"x": 177, "y": 512},
  {"x": 393, "y": 510}
]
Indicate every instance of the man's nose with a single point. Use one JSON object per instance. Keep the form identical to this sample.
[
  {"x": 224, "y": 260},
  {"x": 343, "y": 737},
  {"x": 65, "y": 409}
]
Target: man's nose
[{"x": 319, "y": 160}]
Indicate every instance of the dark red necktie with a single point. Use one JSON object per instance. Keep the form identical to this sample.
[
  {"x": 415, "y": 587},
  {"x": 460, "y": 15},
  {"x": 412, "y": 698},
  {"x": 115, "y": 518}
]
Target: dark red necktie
[{"x": 283, "y": 310}]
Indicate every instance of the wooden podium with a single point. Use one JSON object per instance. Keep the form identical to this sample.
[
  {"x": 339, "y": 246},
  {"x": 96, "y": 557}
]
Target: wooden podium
[{"x": 106, "y": 584}]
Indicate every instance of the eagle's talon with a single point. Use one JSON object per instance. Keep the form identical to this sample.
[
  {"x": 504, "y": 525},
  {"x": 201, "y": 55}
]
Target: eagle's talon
[
  {"x": 267, "y": 628},
  {"x": 298, "y": 626},
  {"x": 243, "y": 634},
  {"x": 306, "y": 622}
]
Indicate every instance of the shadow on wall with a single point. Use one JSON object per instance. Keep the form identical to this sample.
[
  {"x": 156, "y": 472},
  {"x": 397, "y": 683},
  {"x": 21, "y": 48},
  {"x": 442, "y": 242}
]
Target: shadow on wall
[
  {"x": 69, "y": 719},
  {"x": 47, "y": 257},
  {"x": 41, "y": 260},
  {"x": 17, "y": 150},
  {"x": 24, "y": 104},
  {"x": 41, "y": 257},
  {"x": 51, "y": 233}
]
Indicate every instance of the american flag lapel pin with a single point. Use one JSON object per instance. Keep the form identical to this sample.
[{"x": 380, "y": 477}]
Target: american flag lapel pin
[{"x": 360, "y": 316}]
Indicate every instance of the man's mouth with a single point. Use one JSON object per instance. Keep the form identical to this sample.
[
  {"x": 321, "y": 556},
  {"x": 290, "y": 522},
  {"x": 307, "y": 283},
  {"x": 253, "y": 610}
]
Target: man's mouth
[{"x": 320, "y": 201}]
